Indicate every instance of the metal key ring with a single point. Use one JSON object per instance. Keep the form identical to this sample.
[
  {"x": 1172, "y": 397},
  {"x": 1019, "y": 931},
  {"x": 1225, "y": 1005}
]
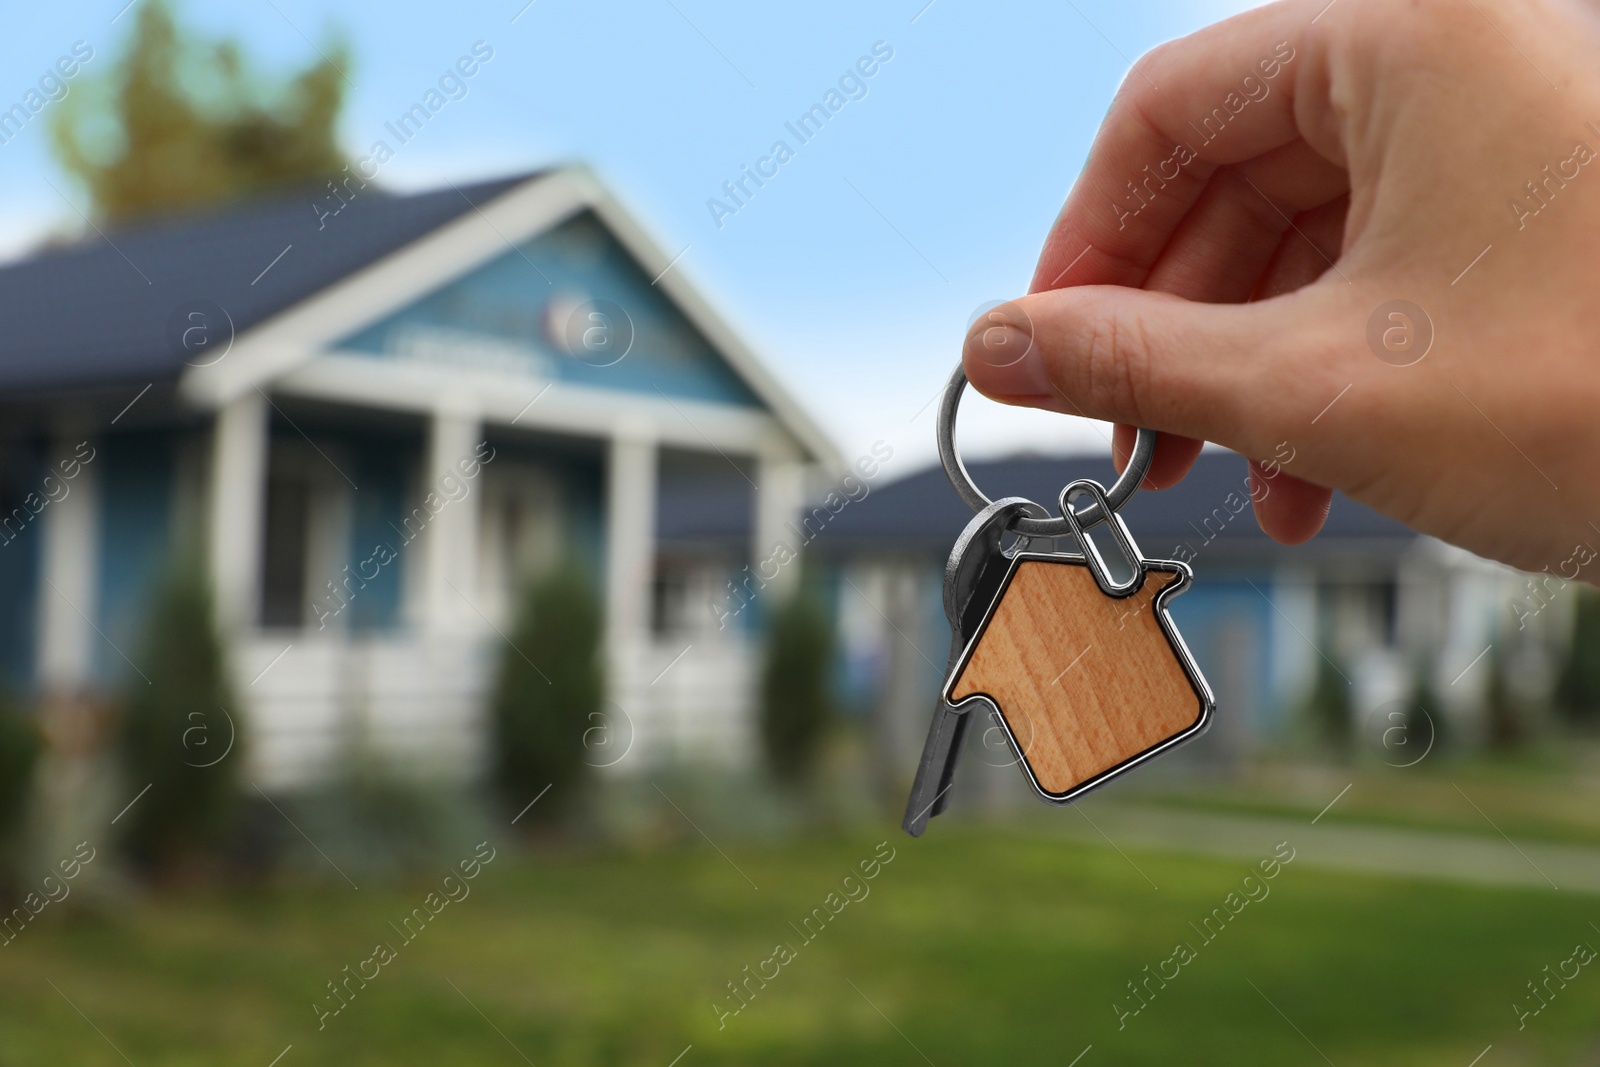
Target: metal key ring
[{"x": 1120, "y": 492}]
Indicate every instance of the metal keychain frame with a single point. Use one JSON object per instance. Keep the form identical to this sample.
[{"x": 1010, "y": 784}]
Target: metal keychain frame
[{"x": 1120, "y": 492}]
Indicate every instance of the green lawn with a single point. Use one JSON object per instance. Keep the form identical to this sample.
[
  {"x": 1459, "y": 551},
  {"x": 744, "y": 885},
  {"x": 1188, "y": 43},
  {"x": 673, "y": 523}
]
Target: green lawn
[{"x": 979, "y": 948}]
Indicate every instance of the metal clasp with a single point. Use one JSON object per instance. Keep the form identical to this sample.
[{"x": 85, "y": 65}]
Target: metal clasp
[{"x": 1120, "y": 536}]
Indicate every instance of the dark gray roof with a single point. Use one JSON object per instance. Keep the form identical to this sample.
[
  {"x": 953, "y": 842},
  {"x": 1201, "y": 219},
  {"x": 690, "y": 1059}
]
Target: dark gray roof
[
  {"x": 100, "y": 312},
  {"x": 921, "y": 513}
]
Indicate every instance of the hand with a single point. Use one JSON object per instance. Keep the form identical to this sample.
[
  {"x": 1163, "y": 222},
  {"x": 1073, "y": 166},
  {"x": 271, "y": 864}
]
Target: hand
[{"x": 1300, "y": 168}]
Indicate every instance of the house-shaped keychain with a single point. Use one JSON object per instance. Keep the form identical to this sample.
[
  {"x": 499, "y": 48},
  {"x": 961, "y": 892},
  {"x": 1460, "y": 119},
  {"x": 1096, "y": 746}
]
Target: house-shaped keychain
[{"x": 1086, "y": 672}]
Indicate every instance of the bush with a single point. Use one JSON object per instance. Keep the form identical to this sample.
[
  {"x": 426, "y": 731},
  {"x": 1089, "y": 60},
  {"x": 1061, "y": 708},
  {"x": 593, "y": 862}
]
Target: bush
[
  {"x": 548, "y": 694},
  {"x": 380, "y": 821},
  {"x": 1503, "y": 712},
  {"x": 1425, "y": 727},
  {"x": 179, "y": 719},
  {"x": 1328, "y": 707},
  {"x": 796, "y": 703}
]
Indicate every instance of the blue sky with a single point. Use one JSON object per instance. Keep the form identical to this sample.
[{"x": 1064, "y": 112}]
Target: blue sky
[{"x": 854, "y": 271}]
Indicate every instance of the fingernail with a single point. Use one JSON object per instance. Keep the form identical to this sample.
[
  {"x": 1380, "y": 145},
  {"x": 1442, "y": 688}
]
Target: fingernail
[{"x": 1002, "y": 361}]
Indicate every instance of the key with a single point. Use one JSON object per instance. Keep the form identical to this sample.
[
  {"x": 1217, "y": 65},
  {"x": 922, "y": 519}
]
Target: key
[{"x": 972, "y": 576}]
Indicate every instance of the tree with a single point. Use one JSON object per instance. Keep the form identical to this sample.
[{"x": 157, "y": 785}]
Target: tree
[
  {"x": 182, "y": 731},
  {"x": 181, "y": 123},
  {"x": 548, "y": 694},
  {"x": 796, "y": 703}
]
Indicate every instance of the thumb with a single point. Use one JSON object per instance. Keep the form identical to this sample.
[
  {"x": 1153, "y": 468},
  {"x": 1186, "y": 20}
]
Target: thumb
[{"x": 1228, "y": 373}]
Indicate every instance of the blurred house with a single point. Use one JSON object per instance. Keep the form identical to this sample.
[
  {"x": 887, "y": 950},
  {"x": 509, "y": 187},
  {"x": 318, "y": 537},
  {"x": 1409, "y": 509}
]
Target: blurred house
[
  {"x": 372, "y": 418},
  {"x": 1367, "y": 599}
]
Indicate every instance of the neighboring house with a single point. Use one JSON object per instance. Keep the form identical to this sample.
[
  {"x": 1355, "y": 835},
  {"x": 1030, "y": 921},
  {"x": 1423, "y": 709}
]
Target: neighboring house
[
  {"x": 1367, "y": 597},
  {"x": 373, "y": 425}
]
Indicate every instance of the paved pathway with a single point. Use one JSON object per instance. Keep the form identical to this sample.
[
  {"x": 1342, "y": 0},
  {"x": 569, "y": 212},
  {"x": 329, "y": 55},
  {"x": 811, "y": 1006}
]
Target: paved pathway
[{"x": 1491, "y": 859}]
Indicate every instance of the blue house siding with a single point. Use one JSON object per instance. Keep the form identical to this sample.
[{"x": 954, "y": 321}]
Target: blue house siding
[
  {"x": 1228, "y": 627},
  {"x": 865, "y": 675},
  {"x": 22, "y": 472},
  {"x": 19, "y": 585},
  {"x": 516, "y": 300},
  {"x": 380, "y": 468},
  {"x": 137, "y": 546},
  {"x": 578, "y": 469},
  {"x": 582, "y": 479}
]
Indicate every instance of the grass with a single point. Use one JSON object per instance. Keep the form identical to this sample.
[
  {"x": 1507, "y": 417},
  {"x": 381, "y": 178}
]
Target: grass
[{"x": 972, "y": 947}]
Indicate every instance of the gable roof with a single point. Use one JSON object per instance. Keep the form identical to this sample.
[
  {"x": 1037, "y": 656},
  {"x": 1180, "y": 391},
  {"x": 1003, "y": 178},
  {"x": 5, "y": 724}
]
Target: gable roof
[
  {"x": 515, "y": 315},
  {"x": 108, "y": 311},
  {"x": 921, "y": 514},
  {"x": 97, "y": 312}
]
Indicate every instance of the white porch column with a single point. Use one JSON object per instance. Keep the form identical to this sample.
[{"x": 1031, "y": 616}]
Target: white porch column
[
  {"x": 69, "y": 563},
  {"x": 450, "y": 546},
  {"x": 238, "y": 509},
  {"x": 779, "y": 497},
  {"x": 631, "y": 463}
]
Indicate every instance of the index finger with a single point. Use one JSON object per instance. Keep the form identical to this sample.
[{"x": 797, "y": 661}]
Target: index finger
[{"x": 1222, "y": 95}]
